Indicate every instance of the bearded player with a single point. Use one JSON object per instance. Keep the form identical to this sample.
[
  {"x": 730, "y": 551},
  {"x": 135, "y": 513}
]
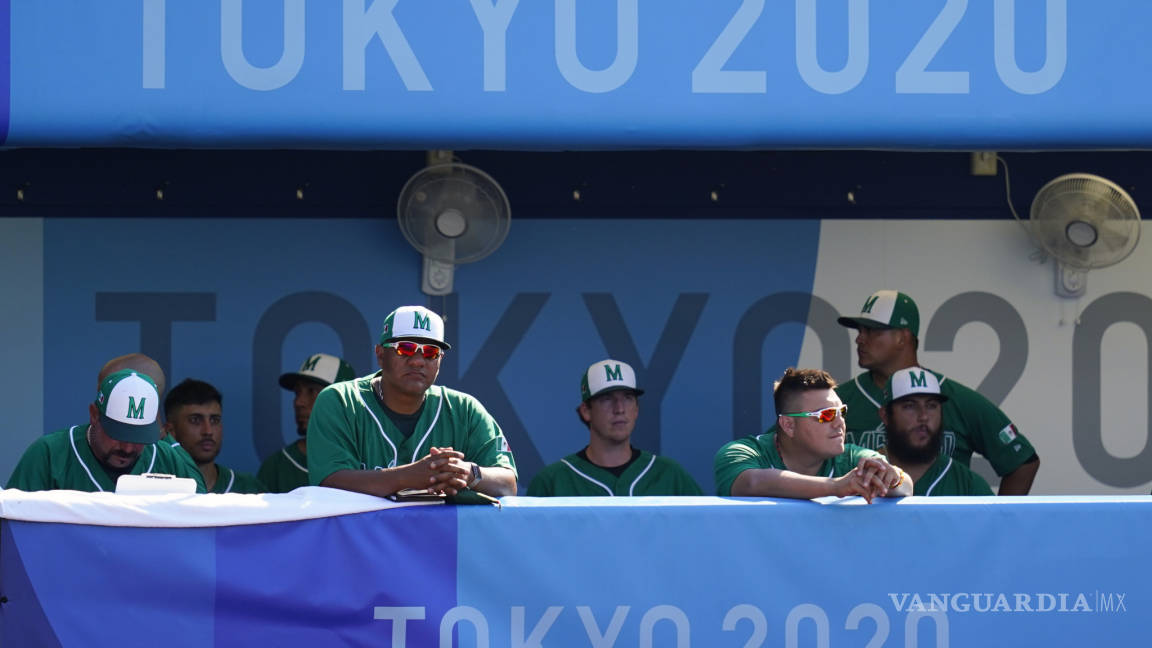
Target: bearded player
[
  {"x": 886, "y": 341},
  {"x": 912, "y": 416}
]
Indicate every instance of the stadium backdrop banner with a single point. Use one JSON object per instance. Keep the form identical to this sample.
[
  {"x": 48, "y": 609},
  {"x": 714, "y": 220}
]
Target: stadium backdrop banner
[
  {"x": 709, "y": 312},
  {"x": 565, "y": 74},
  {"x": 695, "y": 572}
]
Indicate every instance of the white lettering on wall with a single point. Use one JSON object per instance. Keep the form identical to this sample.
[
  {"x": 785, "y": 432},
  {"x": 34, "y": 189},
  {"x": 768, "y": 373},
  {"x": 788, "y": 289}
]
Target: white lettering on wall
[
  {"x": 913, "y": 75},
  {"x": 236, "y": 63},
  {"x": 154, "y": 46},
  {"x": 627, "y": 48},
  {"x": 494, "y": 20},
  {"x": 592, "y": 629},
  {"x": 807, "y": 59},
  {"x": 665, "y": 613},
  {"x": 709, "y": 75},
  {"x": 464, "y": 614},
  {"x": 360, "y": 27},
  {"x": 399, "y": 616},
  {"x": 1056, "y": 39}
]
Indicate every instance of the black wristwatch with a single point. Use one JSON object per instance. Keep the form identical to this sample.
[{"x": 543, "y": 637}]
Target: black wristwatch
[{"x": 476, "y": 476}]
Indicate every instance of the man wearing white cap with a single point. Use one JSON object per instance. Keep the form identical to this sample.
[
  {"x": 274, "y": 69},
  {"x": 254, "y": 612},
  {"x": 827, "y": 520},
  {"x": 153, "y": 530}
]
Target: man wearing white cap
[
  {"x": 912, "y": 418},
  {"x": 396, "y": 430},
  {"x": 887, "y": 340},
  {"x": 120, "y": 439},
  {"x": 287, "y": 469},
  {"x": 609, "y": 465}
]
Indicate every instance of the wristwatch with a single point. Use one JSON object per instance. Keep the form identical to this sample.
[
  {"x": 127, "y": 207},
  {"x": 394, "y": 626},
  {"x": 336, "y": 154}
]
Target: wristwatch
[{"x": 476, "y": 476}]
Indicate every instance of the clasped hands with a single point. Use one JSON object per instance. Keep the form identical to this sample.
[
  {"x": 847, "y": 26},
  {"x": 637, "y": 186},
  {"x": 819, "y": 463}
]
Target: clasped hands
[
  {"x": 443, "y": 470},
  {"x": 872, "y": 477}
]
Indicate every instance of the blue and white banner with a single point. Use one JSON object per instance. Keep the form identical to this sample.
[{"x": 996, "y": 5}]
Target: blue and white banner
[
  {"x": 597, "y": 572},
  {"x": 565, "y": 74}
]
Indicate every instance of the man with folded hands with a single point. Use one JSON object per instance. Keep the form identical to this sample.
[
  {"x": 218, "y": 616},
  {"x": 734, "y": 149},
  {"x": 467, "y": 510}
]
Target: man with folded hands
[
  {"x": 395, "y": 430},
  {"x": 804, "y": 455}
]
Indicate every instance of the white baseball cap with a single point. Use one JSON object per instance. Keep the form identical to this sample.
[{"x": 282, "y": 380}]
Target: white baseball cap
[
  {"x": 414, "y": 323},
  {"x": 319, "y": 368},
  {"x": 912, "y": 381},
  {"x": 606, "y": 376},
  {"x": 885, "y": 309},
  {"x": 128, "y": 405}
]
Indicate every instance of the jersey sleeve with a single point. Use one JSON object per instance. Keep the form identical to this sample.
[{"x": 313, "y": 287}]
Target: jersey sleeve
[
  {"x": 175, "y": 460},
  {"x": 331, "y": 442},
  {"x": 734, "y": 458},
  {"x": 34, "y": 470},
  {"x": 486, "y": 445},
  {"x": 993, "y": 433}
]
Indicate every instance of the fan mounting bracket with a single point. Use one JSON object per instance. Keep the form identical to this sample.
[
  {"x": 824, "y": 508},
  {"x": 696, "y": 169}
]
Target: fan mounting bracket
[
  {"x": 1071, "y": 282},
  {"x": 437, "y": 278}
]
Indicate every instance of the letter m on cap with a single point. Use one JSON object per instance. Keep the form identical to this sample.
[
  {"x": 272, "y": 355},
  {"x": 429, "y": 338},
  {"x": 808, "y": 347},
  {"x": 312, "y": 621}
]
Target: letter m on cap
[
  {"x": 611, "y": 373},
  {"x": 422, "y": 322},
  {"x": 310, "y": 363},
  {"x": 134, "y": 411},
  {"x": 917, "y": 379},
  {"x": 869, "y": 304}
]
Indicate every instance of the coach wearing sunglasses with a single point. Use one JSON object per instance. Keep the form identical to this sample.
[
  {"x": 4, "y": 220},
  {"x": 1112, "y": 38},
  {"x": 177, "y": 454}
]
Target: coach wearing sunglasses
[
  {"x": 396, "y": 430},
  {"x": 804, "y": 455}
]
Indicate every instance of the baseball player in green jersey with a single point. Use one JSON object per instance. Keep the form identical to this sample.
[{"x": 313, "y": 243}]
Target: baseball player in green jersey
[
  {"x": 887, "y": 339},
  {"x": 396, "y": 430},
  {"x": 288, "y": 469},
  {"x": 193, "y": 415},
  {"x": 609, "y": 465},
  {"x": 912, "y": 420},
  {"x": 119, "y": 439},
  {"x": 804, "y": 455}
]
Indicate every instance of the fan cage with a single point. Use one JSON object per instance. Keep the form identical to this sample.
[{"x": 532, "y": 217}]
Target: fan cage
[
  {"x": 486, "y": 229},
  {"x": 1091, "y": 199}
]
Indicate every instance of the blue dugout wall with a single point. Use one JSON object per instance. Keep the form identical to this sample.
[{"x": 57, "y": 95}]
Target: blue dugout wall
[{"x": 218, "y": 263}]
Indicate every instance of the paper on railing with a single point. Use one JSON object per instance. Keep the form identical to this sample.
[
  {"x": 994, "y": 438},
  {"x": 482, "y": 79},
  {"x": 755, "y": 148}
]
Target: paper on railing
[{"x": 176, "y": 510}]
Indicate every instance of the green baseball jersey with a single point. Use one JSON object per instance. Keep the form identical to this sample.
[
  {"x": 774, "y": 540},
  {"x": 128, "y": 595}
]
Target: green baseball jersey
[
  {"x": 647, "y": 475},
  {"x": 348, "y": 430},
  {"x": 63, "y": 460},
  {"x": 971, "y": 423},
  {"x": 946, "y": 476},
  {"x": 230, "y": 481},
  {"x": 760, "y": 452},
  {"x": 285, "y": 470}
]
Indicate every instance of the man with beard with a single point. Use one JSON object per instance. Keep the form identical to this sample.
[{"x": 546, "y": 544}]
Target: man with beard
[
  {"x": 609, "y": 465},
  {"x": 120, "y": 438},
  {"x": 804, "y": 455},
  {"x": 395, "y": 430},
  {"x": 912, "y": 417},
  {"x": 886, "y": 341},
  {"x": 288, "y": 469},
  {"x": 193, "y": 415}
]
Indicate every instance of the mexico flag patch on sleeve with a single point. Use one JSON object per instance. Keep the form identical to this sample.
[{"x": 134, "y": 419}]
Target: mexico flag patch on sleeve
[{"x": 1008, "y": 434}]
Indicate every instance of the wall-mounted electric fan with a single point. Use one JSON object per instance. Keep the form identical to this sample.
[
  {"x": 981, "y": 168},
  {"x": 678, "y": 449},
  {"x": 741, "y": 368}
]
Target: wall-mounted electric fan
[
  {"x": 1084, "y": 222},
  {"x": 452, "y": 214}
]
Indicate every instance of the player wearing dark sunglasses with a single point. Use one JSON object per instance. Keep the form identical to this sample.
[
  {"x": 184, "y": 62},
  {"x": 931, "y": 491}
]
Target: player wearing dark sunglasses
[
  {"x": 397, "y": 430},
  {"x": 804, "y": 454}
]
